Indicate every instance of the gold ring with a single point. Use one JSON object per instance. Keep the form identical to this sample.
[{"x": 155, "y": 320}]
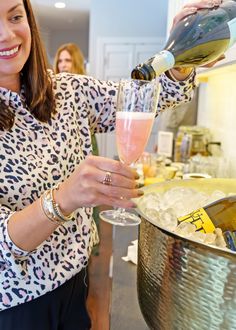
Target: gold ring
[{"x": 107, "y": 179}]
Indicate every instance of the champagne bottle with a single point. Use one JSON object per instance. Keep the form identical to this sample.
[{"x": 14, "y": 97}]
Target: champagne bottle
[
  {"x": 198, "y": 39},
  {"x": 219, "y": 214}
]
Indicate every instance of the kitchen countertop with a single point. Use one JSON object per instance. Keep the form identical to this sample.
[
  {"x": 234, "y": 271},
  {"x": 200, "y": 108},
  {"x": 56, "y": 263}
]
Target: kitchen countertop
[{"x": 125, "y": 311}]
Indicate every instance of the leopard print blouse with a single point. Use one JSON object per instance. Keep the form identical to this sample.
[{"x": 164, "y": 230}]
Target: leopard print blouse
[{"x": 36, "y": 156}]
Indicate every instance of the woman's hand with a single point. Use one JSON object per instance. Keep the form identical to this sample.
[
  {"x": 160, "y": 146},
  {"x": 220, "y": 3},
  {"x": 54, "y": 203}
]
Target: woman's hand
[
  {"x": 192, "y": 7},
  {"x": 188, "y": 9},
  {"x": 85, "y": 186}
]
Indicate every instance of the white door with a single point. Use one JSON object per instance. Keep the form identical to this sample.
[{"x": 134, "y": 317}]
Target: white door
[
  {"x": 142, "y": 52},
  {"x": 116, "y": 58},
  {"x": 118, "y": 61}
]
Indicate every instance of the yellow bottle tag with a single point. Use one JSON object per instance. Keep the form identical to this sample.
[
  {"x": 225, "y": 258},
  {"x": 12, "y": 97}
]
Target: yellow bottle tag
[{"x": 200, "y": 219}]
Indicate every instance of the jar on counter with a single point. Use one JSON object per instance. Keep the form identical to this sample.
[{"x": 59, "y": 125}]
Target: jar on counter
[
  {"x": 194, "y": 137},
  {"x": 178, "y": 142},
  {"x": 186, "y": 147}
]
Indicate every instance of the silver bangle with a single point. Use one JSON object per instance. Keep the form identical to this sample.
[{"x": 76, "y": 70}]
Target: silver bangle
[{"x": 52, "y": 210}]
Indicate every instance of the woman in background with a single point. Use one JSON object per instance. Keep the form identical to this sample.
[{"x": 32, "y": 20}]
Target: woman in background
[
  {"x": 49, "y": 181},
  {"x": 69, "y": 58}
]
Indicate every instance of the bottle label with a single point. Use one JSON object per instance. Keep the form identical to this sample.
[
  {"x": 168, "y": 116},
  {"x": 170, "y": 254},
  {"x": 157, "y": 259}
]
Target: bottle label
[
  {"x": 162, "y": 62},
  {"x": 232, "y": 29},
  {"x": 200, "y": 220}
]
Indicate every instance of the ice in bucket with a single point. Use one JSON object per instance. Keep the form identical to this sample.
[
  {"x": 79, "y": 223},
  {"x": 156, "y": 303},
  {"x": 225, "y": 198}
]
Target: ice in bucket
[
  {"x": 184, "y": 283},
  {"x": 166, "y": 208}
]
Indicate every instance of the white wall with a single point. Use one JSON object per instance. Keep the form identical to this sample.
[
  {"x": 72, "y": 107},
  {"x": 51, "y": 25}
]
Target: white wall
[
  {"x": 59, "y": 37},
  {"x": 125, "y": 18},
  {"x": 217, "y": 110},
  {"x": 55, "y": 38}
]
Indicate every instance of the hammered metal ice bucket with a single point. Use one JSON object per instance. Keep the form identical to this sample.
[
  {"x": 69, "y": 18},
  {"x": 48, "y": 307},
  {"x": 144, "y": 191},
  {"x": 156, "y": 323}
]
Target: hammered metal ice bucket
[{"x": 182, "y": 284}]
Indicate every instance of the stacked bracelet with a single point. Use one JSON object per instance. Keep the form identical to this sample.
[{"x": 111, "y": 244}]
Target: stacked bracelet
[{"x": 52, "y": 210}]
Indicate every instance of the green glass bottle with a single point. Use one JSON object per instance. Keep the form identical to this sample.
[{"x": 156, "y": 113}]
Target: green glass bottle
[
  {"x": 219, "y": 214},
  {"x": 198, "y": 39}
]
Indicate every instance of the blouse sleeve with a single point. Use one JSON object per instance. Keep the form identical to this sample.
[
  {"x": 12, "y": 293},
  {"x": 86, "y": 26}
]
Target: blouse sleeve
[
  {"x": 174, "y": 93},
  {"x": 12, "y": 258},
  {"x": 98, "y": 98}
]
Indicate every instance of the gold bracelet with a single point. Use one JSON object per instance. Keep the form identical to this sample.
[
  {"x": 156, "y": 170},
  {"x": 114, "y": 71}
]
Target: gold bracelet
[
  {"x": 52, "y": 210},
  {"x": 46, "y": 209},
  {"x": 57, "y": 210}
]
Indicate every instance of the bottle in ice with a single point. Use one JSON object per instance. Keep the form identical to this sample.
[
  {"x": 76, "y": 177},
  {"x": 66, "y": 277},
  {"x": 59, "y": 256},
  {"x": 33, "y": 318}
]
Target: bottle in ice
[
  {"x": 219, "y": 214},
  {"x": 198, "y": 39},
  {"x": 230, "y": 239}
]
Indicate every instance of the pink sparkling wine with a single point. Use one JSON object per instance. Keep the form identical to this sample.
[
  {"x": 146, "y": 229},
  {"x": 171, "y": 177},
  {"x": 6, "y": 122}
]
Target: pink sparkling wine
[{"x": 132, "y": 133}]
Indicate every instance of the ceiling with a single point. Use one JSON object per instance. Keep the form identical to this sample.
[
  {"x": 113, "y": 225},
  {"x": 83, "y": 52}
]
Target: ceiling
[{"x": 74, "y": 16}]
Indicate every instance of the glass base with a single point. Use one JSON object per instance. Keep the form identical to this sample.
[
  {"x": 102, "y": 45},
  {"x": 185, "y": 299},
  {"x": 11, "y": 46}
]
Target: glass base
[{"x": 120, "y": 217}]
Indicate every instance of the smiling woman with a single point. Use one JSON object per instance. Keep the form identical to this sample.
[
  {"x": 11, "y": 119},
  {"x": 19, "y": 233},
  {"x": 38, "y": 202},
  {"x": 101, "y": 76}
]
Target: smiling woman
[
  {"x": 49, "y": 180},
  {"x": 15, "y": 45}
]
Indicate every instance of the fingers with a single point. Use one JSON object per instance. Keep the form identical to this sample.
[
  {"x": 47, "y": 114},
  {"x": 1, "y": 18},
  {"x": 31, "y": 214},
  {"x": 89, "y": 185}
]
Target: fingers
[
  {"x": 192, "y": 8},
  {"x": 118, "y": 192},
  {"x": 203, "y": 4},
  {"x": 116, "y": 201},
  {"x": 101, "y": 194},
  {"x": 99, "y": 180},
  {"x": 115, "y": 179},
  {"x": 117, "y": 186},
  {"x": 211, "y": 64},
  {"x": 182, "y": 14},
  {"x": 221, "y": 57},
  {"x": 121, "y": 202},
  {"x": 112, "y": 166},
  {"x": 106, "y": 171}
]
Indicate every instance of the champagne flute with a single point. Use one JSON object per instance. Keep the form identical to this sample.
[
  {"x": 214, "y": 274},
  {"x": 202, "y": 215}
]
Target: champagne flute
[{"x": 135, "y": 113}]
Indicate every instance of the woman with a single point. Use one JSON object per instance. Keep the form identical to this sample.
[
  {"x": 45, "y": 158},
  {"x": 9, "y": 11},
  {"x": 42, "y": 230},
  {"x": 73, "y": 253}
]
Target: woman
[
  {"x": 46, "y": 229},
  {"x": 69, "y": 58}
]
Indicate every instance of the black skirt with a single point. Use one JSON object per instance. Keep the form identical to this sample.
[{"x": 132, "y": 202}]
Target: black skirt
[{"x": 62, "y": 309}]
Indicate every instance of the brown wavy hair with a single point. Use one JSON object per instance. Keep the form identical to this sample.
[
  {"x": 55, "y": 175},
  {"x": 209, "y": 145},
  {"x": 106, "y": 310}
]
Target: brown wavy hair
[
  {"x": 77, "y": 58},
  {"x": 35, "y": 79}
]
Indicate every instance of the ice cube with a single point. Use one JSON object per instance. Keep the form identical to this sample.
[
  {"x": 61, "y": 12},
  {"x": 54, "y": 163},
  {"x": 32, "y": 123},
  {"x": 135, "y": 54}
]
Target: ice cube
[
  {"x": 215, "y": 195},
  {"x": 168, "y": 219},
  {"x": 198, "y": 236},
  {"x": 185, "y": 229},
  {"x": 210, "y": 238},
  {"x": 219, "y": 241},
  {"x": 165, "y": 208}
]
